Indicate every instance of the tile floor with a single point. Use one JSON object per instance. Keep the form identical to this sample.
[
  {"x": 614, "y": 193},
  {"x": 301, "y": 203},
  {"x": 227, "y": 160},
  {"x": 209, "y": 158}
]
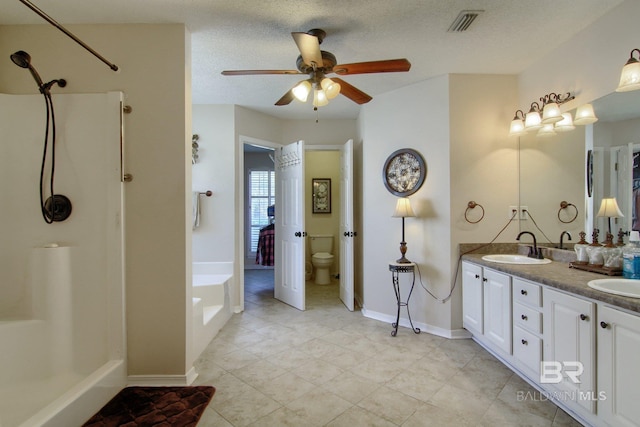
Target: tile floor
[{"x": 276, "y": 366}]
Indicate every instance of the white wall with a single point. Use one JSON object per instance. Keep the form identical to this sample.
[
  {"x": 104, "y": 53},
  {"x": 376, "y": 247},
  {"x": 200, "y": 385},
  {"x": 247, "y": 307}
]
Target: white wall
[{"x": 214, "y": 239}]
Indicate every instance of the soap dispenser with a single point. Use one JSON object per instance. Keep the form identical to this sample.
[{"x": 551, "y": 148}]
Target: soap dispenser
[
  {"x": 582, "y": 257},
  {"x": 595, "y": 250},
  {"x": 631, "y": 257}
]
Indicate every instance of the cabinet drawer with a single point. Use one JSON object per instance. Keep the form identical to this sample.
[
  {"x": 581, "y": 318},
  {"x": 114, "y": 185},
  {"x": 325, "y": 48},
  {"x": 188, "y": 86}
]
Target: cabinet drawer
[
  {"x": 527, "y": 348},
  {"x": 527, "y": 318},
  {"x": 527, "y": 293}
]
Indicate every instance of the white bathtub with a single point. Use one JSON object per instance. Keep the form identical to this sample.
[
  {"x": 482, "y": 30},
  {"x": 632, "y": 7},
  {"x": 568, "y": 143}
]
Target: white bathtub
[{"x": 211, "y": 286}]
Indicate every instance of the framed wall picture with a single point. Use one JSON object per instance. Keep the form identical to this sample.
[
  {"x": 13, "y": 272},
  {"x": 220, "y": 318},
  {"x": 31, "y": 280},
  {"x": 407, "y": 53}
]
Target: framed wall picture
[{"x": 321, "y": 190}]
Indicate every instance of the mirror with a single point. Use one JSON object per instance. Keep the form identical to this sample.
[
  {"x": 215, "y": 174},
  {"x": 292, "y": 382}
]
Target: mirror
[
  {"x": 553, "y": 170},
  {"x": 616, "y": 137}
]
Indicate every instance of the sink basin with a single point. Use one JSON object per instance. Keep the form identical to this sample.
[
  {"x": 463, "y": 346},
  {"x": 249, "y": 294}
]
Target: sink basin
[
  {"x": 514, "y": 259},
  {"x": 624, "y": 287}
]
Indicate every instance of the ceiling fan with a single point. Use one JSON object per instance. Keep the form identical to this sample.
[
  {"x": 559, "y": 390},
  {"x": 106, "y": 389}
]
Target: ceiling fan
[{"x": 317, "y": 64}]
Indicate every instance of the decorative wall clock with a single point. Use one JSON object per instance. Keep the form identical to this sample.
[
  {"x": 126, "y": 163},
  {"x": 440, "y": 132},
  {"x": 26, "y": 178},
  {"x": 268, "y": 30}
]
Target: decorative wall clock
[{"x": 404, "y": 172}]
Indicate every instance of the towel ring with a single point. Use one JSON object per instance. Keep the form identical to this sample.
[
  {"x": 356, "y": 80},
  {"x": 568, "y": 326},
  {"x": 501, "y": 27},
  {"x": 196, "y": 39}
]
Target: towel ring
[
  {"x": 472, "y": 205},
  {"x": 564, "y": 205}
]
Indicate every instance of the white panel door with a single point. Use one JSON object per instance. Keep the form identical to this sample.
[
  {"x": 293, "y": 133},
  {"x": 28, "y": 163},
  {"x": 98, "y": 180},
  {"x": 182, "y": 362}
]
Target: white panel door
[
  {"x": 289, "y": 284},
  {"x": 347, "y": 232}
]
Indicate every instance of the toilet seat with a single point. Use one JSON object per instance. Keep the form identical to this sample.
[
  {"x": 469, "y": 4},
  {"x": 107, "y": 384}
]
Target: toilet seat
[{"x": 322, "y": 255}]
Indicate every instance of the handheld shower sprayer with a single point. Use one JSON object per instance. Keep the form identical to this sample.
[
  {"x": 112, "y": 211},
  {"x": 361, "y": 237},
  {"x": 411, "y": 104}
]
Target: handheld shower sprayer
[
  {"x": 56, "y": 207},
  {"x": 23, "y": 60}
]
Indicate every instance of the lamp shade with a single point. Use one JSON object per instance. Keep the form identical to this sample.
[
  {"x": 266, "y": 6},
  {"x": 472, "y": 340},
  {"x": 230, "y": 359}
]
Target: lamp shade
[
  {"x": 630, "y": 76},
  {"x": 532, "y": 121},
  {"x": 585, "y": 115},
  {"x": 566, "y": 124},
  {"x": 551, "y": 113},
  {"x": 609, "y": 208},
  {"x": 301, "y": 90},
  {"x": 319, "y": 98},
  {"x": 403, "y": 208},
  {"x": 517, "y": 127},
  {"x": 331, "y": 88},
  {"x": 546, "y": 130}
]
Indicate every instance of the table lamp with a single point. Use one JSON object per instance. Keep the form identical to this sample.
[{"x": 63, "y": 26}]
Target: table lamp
[
  {"x": 403, "y": 210},
  {"x": 609, "y": 209}
]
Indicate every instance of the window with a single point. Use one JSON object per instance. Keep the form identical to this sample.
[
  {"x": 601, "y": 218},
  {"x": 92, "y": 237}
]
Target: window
[{"x": 262, "y": 194}]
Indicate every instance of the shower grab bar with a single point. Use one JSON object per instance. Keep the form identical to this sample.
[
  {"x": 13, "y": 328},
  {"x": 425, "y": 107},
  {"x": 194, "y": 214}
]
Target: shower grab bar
[{"x": 53, "y": 22}]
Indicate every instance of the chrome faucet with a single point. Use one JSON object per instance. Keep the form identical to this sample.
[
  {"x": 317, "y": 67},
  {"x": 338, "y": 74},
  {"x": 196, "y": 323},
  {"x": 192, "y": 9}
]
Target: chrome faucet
[
  {"x": 562, "y": 235},
  {"x": 535, "y": 253}
]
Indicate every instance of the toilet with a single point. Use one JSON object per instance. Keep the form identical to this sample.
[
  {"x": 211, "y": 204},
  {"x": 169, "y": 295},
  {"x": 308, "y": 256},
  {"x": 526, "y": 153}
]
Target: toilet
[{"x": 321, "y": 257}]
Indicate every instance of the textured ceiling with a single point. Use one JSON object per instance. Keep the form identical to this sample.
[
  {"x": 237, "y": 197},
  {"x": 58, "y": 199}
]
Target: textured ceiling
[{"x": 250, "y": 34}]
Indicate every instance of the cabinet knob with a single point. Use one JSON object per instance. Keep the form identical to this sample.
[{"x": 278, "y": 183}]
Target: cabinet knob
[
  {"x": 604, "y": 325},
  {"x": 523, "y": 292},
  {"x": 477, "y": 276},
  {"x": 523, "y": 317},
  {"x": 484, "y": 279},
  {"x": 584, "y": 317},
  {"x": 524, "y": 342}
]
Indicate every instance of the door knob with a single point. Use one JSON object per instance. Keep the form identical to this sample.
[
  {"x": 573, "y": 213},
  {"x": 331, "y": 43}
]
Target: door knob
[
  {"x": 298, "y": 234},
  {"x": 304, "y": 234}
]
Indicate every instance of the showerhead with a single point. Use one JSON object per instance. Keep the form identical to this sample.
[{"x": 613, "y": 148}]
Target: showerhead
[{"x": 21, "y": 58}]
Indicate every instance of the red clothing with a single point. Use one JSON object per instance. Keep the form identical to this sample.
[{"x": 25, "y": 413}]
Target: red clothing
[{"x": 266, "y": 242}]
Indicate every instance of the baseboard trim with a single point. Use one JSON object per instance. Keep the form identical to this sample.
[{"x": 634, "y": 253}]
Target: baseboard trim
[
  {"x": 163, "y": 380},
  {"x": 424, "y": 327}
]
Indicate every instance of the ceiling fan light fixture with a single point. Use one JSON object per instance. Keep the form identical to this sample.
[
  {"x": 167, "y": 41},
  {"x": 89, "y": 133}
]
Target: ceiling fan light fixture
[
  {"x": 319, "y": 98},
  {"x": 301, "y": 90},
  {"x": 331, "y": 88}
]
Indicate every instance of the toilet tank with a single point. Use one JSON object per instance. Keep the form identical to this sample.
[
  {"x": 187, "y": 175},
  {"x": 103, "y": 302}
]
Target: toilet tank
[{"x": 321, "y": 243}]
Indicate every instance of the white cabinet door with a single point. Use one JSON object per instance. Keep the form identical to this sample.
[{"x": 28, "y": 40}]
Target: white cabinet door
[
  {"x": 618, "y": 367},
  {"x": 472, "y": 297},
  {"x": 497, "y": 309},
  {"x": 569, "y": 348}
]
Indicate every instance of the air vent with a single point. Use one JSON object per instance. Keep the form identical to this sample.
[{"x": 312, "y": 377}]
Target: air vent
[{"x": 464, "y": 20}]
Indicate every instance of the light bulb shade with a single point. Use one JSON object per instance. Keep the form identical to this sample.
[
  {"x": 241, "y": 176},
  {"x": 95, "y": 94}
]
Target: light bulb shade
[
  {"x": 609, "y": 208},
  {"x": 585, "y": 115},
  {"x": 532, "y": 121},
  {"x": 403, "y": 208},
  {"x": 546, "y": 131},
  {"x": 331, "y": 88},
  {"x": 301, "y": 90},
  {"x": 630, "y": 76},
  {"x": 551, "y": 113},
  {"x": 319, "y": 98},
  {"x": 517, "y": 128},
  {"x": 566, "y": 124}
]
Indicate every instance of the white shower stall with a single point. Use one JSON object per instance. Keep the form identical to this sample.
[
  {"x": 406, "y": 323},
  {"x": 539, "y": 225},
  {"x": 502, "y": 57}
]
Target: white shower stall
[{"x": 62, "y": 330}]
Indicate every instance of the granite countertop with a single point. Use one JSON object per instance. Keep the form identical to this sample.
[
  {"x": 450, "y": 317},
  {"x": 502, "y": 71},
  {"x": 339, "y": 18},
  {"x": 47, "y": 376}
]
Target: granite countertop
[{"x": 557, "y": 275}]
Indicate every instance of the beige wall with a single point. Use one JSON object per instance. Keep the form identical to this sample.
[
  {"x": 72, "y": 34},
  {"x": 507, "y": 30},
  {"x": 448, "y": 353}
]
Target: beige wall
[
  {"x": 153, "y": 68},
  {"x": 323, "y": 164}
]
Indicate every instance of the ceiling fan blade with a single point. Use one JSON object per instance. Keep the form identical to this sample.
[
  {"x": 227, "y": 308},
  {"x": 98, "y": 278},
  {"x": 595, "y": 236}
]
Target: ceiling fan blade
[
  {"x": 386, "y": 66},
  {"x": 352, "y": 92},
  {"x": 286, "y": 98},
  {"x": 309, "y": 47},
  {"x": 252, "y": 72}
]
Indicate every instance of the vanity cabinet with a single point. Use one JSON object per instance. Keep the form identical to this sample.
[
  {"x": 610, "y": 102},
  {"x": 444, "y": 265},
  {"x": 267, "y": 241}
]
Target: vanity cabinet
[
  {"x": 618, "y": 366},
  {"x": 527, "y": 327},
  {"x": 570, "y": 349},
  {"x": 487, "y": 305}
]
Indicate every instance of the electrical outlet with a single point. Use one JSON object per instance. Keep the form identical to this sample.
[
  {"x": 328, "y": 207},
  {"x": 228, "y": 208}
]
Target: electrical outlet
[
  {"x": 522, "y": 212},
  {"x": 512, "y": 210}
]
